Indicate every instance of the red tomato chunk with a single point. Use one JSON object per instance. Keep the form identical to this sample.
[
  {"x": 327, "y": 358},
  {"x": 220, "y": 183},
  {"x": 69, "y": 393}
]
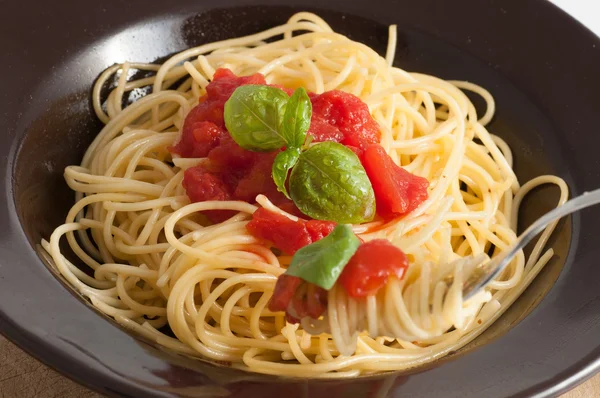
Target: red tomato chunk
[
  {"x": 287, "y": 235},
  {"x": 204, "y": 126},
  {"x": 371, "y": 266},
  {"x": 233, "y": 173},
  {"x": 285, "y": 288},
  {"x": 397, "y": 192},
  {"x": 202, "y": 185},
  {"x": 342, "y": 117},
  {"x": 229, "y": 184},
  {"x": 298, "y": 298},
  {"x": 293, "y": 295}
]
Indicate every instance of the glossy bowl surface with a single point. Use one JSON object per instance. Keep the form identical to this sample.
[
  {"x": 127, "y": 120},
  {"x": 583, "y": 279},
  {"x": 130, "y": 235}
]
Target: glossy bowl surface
[{"x": 540, "y": 65}]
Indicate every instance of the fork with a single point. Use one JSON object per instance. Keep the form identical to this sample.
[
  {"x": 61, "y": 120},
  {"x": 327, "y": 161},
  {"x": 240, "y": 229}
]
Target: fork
[{"x": 486, "y": 272}]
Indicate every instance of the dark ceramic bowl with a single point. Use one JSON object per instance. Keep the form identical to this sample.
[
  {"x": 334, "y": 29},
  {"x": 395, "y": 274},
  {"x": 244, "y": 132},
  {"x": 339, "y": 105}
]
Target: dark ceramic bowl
[{"x": 541, "y": 66}]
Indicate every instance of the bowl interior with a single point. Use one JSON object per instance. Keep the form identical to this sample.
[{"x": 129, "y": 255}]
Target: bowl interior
[{"x": 64, "y": 124}]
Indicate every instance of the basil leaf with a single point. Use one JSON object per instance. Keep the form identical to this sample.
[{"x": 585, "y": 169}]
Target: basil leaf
[
  {"x": 284, "y": 161},
  {"x": 296, "y": 120},
  {"x": 329, "y": 183},
  {"x": 253, "y": 115},
  {"x": 322, "y": 262}
]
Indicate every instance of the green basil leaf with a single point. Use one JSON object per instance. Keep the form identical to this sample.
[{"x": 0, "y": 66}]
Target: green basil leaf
[
  {"x": 329, "y": 183},
  {"x": 284, "y": 161},
  {"x": 253, "y": 116},
  {"x": 296, "y": 120},
  {"x": 322, "y": 262}
]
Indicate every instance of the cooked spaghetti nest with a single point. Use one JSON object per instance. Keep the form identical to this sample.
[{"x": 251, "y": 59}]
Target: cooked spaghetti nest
[{"x": 153, "y": 264}]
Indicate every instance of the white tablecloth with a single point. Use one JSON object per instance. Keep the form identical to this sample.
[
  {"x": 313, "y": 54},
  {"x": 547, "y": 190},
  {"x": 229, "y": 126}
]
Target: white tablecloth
[{"x": 586, "y": 11}]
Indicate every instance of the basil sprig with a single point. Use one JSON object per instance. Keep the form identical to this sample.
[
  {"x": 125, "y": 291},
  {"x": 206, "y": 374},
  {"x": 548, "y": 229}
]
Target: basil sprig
[
  {"x": 284, "y": 161},
  {"x": 322, "y": 262},
  {"x": 253, "y": 116},
  {"x": 327, "y": 181},
  {"x": 296, "y": 122},
  {"x": 296, "y": 119}
]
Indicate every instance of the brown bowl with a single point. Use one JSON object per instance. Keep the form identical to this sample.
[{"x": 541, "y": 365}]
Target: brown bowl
[{"x": 540, "y": 65}]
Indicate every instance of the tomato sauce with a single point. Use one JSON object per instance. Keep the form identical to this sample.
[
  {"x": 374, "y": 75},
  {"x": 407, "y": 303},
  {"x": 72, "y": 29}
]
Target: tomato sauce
[
  {"x": 233, "y": 173},
  {"x": 293, "y": 295},
  {"x": 204, "y": 127}
]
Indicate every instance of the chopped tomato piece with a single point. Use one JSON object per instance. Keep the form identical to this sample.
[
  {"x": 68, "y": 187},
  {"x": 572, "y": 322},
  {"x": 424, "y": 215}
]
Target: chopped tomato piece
[
  {"x": 286, "y": 234},
  {"x": 298, "y": 298},
  {"x": 370, "y": 267},
  {"x": 225, "y": 82},
  {"x": 208, "y": 135},
  {"x": 202, "y": 185},
  {"x": 397, "y": 192},
  {"x": 346, "y": 113},
  {"x": 297, "y": 307},
  {"x": 316, "y": 301},
  {"x": 319, "y": 229},
  {"x": 234, "y": 174},
  {"x": 204, "y": 126},
  {"x": 285, "y": 288},
  {"x": 258, "y": 180},
  {"x": 198, "y": 136},
  {"x": 308, "y": 300},
  {"x": 321, "y": 130},
  {"x": 229, "y": 156}
]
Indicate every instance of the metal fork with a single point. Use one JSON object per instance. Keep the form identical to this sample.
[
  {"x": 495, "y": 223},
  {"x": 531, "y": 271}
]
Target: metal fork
[{"x": 485, "y": 273}]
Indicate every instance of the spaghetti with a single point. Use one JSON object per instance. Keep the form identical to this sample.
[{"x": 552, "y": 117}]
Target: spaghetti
[{"x": 155, "y": 264}]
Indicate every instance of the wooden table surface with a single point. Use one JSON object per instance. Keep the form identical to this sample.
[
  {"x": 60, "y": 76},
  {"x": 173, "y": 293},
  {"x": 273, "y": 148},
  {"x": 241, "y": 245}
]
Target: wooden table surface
[{"x": 22, "y": 376}]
